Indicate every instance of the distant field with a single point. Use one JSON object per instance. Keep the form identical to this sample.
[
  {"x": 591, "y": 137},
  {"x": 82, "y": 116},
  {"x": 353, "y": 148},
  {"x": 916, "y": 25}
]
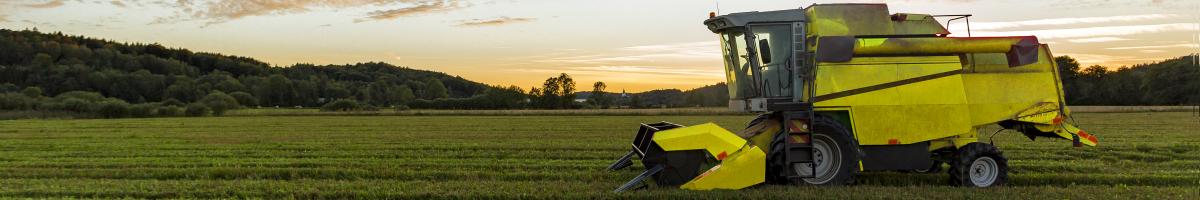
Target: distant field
[{"x": 1142, "y": 156}]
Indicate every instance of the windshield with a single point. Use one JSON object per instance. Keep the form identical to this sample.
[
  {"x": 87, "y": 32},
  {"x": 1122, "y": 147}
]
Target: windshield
[{"x": 737, "y": 65}]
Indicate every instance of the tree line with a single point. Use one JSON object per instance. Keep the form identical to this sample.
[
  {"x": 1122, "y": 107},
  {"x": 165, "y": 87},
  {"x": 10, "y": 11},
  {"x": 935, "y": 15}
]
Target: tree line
[{"x": 1173, "y": 81}]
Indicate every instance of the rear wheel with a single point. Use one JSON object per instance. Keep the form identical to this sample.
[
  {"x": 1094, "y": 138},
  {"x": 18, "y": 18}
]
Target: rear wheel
[{"x": 979, "y": 165}]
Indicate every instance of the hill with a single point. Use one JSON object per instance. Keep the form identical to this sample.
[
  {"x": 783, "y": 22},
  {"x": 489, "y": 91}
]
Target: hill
[{"x": 138, "y": 73}]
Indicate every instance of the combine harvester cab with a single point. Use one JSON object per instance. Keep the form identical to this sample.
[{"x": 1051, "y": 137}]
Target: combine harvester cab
[{"x": 845, "y": 88}]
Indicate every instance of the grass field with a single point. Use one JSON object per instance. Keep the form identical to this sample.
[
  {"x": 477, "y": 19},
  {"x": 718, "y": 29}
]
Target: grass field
[{"x": 1142, "y": 156}]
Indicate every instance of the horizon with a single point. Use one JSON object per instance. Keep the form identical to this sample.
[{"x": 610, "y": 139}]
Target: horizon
[{"x": 669, "y": 49}]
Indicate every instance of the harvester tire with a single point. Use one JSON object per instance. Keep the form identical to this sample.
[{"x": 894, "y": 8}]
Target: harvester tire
[
  {"x": 842, "y": 151},
  {"x": 978, "y": 165}
]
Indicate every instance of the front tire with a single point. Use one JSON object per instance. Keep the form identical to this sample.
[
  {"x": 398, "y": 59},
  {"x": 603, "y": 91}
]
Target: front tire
[
  {"x": 835, "y": 155},
  {"x": 978, "y": 165}
]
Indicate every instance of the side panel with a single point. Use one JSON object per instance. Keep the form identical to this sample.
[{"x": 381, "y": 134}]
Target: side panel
[{"x": 897, "y": 100}]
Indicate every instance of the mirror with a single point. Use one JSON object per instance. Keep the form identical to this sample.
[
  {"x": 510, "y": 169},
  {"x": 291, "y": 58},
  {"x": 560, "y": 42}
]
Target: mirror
[{"x": 764, "y": 51}]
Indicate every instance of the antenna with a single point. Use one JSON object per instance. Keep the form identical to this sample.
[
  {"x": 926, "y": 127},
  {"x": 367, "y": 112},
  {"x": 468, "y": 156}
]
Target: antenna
[{"x": 718, "y": 3}]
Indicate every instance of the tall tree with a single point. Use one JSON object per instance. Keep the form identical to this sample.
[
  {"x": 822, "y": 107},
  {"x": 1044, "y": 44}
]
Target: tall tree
[
  {"x": 1068, "y": 71},
  {"x": 599, "y": 98},
  {"x": 566, "y": 91},
  {"x": 550, "y": 97},
  {"x": 279, "y": 91},
  {"x": 434, "y": 89}
]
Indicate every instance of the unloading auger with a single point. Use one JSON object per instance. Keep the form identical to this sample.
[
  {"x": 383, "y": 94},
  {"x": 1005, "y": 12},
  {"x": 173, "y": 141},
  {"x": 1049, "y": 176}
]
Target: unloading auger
[{"x": 845, "y": 88}]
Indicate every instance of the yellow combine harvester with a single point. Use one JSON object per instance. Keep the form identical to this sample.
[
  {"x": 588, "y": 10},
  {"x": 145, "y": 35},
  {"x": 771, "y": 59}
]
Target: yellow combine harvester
[{"x": 845, "y": 88}]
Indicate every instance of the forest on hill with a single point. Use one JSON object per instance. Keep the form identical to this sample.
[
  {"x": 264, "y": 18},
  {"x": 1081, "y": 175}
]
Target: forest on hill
[{"x": 44, "y": 66}]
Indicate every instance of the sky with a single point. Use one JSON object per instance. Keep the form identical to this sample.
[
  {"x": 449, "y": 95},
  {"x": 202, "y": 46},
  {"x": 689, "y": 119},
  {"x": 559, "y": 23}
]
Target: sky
[{"x": 632, "y": 45}]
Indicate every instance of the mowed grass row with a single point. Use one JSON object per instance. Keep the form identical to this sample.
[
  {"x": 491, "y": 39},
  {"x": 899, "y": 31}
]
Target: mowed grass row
[{"x": 1142, "y": 155}]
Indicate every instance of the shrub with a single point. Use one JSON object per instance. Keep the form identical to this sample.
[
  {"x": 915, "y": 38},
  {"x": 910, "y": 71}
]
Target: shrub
[
  {"x": 76, "y": 105},
  {"x": 32, "y": 92},
  {"x": 143, "y": 110},
  {"x": 14, "y": 101},
  {"x": 113, "y": 109},
  {"x": 173, "y": 102},
  {"x": 8, "y": 87},
  {"x": 91, "y": 97},
  {"x": 402, "y": 108},
  {"x": 369, "y": 107},
  {"x": 51, "y": 106},
  {"x": 342, "y": 105},
  {"x": 169, "y": 111},
  {"x": 219, "y": 102},
  {"x": 245, "y": 99},
  {"x": 197, "y": 109}
]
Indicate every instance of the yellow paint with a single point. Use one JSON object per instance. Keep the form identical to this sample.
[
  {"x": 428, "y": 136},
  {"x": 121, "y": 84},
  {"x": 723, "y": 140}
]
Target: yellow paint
[
  {"x": 743, "y": 169},
  {"x": 910, "y": 113},
  {"x": 743, "y": 166},
  {"x": 947, "y": 109},
  {"x": 708, "y": 136},
  {"x": 933, "y": 45}
]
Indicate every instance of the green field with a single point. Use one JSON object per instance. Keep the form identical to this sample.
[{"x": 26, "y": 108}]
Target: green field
[{"x": 1142, "y": 156}]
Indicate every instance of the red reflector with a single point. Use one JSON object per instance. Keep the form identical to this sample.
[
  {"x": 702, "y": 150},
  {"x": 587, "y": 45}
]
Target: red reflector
[
  {"x": 796, "y": 128},
  {"x": 893, "y": 141},
  {"x": 722, "y": 156},
  {"x": 1087, "y": 136}
]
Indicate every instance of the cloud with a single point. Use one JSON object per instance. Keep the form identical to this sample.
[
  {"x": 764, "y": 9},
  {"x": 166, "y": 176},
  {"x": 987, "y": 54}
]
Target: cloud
[
  {"x": 420, "y": 8},
  {"x": 494, "y": 22},
  {"x": 50, "y": 4},
  {"x": 117, "y": 3},
  {"x": 3, "y": 18},
  {"x": 1097, "y": 39},
  {"x": 1068, "y": 21},
  {"x": 221, "y": 11},
  {"x": 1094, "y": 31},
  {"x": 1156, "y": 47}
]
